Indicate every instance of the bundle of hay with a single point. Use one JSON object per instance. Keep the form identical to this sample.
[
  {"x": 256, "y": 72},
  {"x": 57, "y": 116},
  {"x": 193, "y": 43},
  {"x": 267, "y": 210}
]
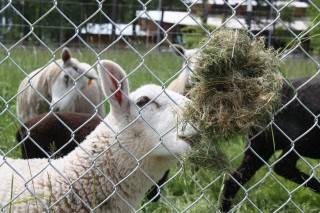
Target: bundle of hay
[{"x": 237, "y": 84}]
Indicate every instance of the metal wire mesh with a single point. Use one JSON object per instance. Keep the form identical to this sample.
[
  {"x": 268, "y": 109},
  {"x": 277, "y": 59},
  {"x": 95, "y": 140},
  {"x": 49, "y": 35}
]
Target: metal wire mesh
[{"x": 266, "y": 180}]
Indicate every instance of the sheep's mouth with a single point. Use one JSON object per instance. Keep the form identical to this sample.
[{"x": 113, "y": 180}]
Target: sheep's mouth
[{"x": 191, "y": 140}]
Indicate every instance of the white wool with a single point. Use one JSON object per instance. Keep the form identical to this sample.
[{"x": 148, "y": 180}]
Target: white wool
[
  {"x": 93, "y": 187},
  {"x": 115, "y": 166}
]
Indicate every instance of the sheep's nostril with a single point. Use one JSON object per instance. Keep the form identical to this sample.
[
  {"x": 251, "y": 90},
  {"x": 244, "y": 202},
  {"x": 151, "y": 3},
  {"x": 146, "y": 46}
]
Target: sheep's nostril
[{"x": 56, "y": 109}]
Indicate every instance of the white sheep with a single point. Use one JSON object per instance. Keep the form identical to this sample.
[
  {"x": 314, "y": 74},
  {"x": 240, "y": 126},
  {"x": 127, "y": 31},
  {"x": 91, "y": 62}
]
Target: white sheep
[
  {"x": 54, "y": 86},
  {"x": 115, "y": 166},
  {"x": 183, "y": 81}
]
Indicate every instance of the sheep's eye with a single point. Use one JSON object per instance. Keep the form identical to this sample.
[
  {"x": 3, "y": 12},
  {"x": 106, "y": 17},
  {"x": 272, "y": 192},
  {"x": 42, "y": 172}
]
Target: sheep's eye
[
  {"x": 75, "y": 68},
  {"x": 66, "y": 78},
  {"x": 143, "y": 101}
]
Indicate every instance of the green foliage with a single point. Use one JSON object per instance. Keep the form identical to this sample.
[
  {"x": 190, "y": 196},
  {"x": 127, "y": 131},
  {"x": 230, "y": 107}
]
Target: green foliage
[
  {"x": 194, "y": 34},
  {"x": 59, "y": 23},
  {"x": 314, "y": 35},
  {"x": 164, "y": 4},
  {"x": 287, "y": 14}
]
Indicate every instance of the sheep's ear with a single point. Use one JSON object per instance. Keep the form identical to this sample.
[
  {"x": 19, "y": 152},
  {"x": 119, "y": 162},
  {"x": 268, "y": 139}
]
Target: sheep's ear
[
  {"x": 65, "y": 54},
  {"x": 179, "y": 50},
  {"x": 115, "y": 85}
]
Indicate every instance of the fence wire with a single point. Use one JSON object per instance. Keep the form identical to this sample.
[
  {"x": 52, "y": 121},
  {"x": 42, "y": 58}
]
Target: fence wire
[{"x": 275, "y": 170}]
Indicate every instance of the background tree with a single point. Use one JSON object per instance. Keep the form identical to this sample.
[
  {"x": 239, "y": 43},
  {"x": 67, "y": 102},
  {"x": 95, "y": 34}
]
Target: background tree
[{"x": 314, "y": 15}]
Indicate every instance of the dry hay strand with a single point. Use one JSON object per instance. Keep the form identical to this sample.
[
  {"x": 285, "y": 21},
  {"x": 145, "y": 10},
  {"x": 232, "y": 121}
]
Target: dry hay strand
[{"x": 237, "y": 84}]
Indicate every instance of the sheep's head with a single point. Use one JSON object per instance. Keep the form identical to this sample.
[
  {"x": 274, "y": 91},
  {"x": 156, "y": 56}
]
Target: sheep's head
[
  {"x": 147, "y": 120},
  {"x": 72, "y": 78},
  {"x": 160, "y": 116}
]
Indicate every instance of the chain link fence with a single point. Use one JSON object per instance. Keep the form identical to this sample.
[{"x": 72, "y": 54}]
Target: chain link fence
[{"x": 276, "y": 169}]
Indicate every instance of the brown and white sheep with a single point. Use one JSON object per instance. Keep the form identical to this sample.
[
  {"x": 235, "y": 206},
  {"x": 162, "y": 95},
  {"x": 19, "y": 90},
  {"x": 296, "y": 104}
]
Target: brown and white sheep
[{"x": 61, "y": 85}]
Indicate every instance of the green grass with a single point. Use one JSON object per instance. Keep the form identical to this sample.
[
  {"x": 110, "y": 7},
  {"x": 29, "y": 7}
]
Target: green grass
[
  {"x": 295, "y": 68},
  {"x": 189, "y": 190}
]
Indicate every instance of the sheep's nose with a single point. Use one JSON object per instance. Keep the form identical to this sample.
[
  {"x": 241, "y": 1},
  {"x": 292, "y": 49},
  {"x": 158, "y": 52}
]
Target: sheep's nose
[{"x": 56, "y": 109}]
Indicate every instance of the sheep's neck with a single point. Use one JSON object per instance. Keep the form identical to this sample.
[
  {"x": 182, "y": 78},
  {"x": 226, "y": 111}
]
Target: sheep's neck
[{"x": 121, "y": 172}]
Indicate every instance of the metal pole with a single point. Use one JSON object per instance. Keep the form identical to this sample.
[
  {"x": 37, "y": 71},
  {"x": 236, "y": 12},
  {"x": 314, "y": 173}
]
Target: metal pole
[
  {"x": 205, "y": 11},
  {"x": 1, "y": 28},
  {"x": 224, "y": 9},
  {"x": 2, "y": 22},
  {"x": 271, "y": 29},
  {"x": 249, "y": 13},
  {"x": 113, "y": 17},
  {"x": 160, "y": 23}
]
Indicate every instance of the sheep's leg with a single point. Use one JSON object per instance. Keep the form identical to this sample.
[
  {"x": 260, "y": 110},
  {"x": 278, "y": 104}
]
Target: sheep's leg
[
  {"x": 153, "y": 192},
  {"x": 250, "y": 164},
  {"x": 286, "y": 168}
]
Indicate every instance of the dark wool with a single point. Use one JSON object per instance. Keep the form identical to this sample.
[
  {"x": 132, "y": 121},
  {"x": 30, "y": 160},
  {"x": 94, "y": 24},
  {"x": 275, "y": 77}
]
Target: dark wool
[
  {"x": 52, "y": 131},
  {"x": 294, "y": 120}
]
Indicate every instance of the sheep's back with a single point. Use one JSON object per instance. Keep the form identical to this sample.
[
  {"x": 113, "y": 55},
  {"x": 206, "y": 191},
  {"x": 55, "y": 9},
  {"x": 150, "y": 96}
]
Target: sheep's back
[
  {"x": 51, "y": 133},
  {"x": 20, "y": 181},
  {"x": 94, "y": 93},
  {"x": 297, "y": 118},
  {"x": 29, "y": 102}
]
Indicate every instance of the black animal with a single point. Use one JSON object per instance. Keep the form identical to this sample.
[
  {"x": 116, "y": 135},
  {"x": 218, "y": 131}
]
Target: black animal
[
  {"x": 54, "y": 133},
  {"x": 296, "y": 132}
]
